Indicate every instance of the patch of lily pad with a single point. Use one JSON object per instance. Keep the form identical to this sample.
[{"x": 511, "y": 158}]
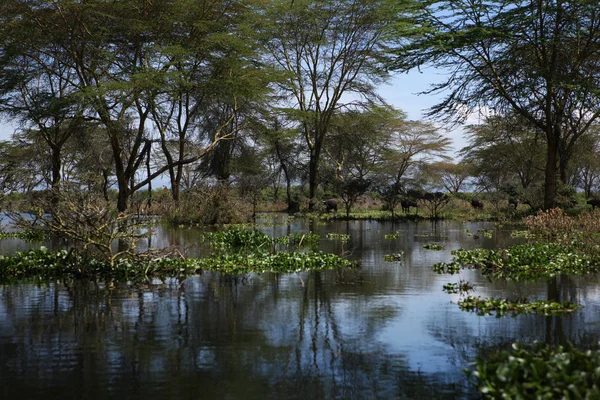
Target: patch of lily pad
[{"x": 503, "y": 307}]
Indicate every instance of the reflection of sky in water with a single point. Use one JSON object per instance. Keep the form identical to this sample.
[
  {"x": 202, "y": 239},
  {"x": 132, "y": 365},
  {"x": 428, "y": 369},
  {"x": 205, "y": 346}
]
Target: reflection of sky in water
[{"x": 385, "y": 329}]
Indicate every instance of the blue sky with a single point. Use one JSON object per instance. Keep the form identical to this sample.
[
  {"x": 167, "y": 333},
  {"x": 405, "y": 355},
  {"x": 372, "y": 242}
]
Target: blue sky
[{"x": 403, "y": 93}]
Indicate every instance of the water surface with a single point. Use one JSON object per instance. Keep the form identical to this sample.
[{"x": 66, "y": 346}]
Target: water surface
[{"x": 384, "y": 330}]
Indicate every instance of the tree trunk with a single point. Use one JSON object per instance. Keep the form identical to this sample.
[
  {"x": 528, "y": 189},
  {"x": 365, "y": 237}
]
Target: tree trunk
[
  {"x": 123, "y": 198},
  {"x": 550, "y": 178},
  {"x": 313, "y": 179},
  {"x": 105, "y": 184},
  {"x": 56, "y": 166}
]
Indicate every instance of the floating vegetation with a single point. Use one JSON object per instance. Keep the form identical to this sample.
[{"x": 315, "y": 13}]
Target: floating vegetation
[
  {"x": 523, "y": 234},
  {"x": 278, "y": 262},
  {"x": 538, "y": 371},
  {"x": 486, "y": 232},
  {"x": 446, "y": 268},
  {"x": 528, "y": 261},
  {"x": 458, "y": 287},
  {"x": 502, "y": 307},
  {"x": 433, "y": 246},
  {"x": 392, "y": 236},
  {"x": 43, "y": 264},
  {"x": 395, "y": 257},
  {"x": 244, "y": 239},
  {"x": 338, "y": 236},
  {"x": 438, "y": 236}
]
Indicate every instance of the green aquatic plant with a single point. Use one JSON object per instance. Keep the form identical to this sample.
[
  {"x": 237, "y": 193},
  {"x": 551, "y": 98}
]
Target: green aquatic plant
[
  {"x": 392, "y": 236},
  {"x": 395, "y": 257},
  {"x": 43, "y": 264},
  {"x": 486, "y": 232},
  {"x": 538, "y": 371},
  {"x": 446, "y": 268},
  {"x": 523, "y": 234},
  {"x": 255, "y": 240},
  {"x": 433, "y": 246},
  {"x": 528, "y": 261},
  {"x": 238, "y": 238},
  {"x": 458, "y": 287},
  {"x": 438, "y": 236},
  {"x": 502, "y": 307},
  {"x": 299, "y": 239},
  {"x": 338, "y": 236}
]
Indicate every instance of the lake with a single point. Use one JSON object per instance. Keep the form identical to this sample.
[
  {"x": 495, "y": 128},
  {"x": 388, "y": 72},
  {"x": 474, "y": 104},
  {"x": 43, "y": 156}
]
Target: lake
[{"x": 383, "y": 330}]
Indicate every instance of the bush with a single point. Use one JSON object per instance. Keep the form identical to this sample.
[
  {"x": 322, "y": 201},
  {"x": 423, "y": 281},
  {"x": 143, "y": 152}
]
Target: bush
[{"x": 210, "y": 205}]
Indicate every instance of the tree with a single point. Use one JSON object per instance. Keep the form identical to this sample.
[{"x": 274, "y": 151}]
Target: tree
[
  {"x": 358, "y": 139},
  {"x": 279, "y": 143},
  {"x": 326, "y": 51},
  {"x": 449, "y": 175},
  {"x": 127, "y": 63},
  {"x": 36, "y": 90},
  {"x": 586, "y": 166},
  {"x": 505, "y": 151},
  {"x": 535, "y": 58},
  {"x": 350, "y": 190},
  {"x": 412, "y": 145}
]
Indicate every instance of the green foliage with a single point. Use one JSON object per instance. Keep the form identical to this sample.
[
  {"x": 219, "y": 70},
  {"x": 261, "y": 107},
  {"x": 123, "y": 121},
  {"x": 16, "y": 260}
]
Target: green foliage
[
  {"x": 391, "y": 236},
  {"x": 523, "y": 234},
  {"x": 539, "y": 371},
  {"x": 29, "y": 235},
  {"x": 458, "y": 287},
  {"x": 433, "y": 246},
  {"x": 338, "y": 236},
  {"x": 502, "y": 307},
  {"x": 395, "y": 257},
  {"x": 255, "y": 240},
  {"x": 446, "y": 268},
  {"x": 278, "y": 262},
  {"x": 527, "y": 262},
  {"x": 43, "y": 264}
]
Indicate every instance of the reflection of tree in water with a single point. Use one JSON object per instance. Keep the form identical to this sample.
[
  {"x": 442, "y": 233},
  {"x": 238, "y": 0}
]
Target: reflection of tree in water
[
  {"x": 474, "y": 336},
  {"x": 216, "y": 337}
]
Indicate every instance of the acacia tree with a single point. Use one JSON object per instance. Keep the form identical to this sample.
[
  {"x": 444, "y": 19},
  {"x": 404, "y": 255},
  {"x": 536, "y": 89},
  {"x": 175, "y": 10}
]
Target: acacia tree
[
  {"x": 505, "y": 151},
  {"x": 326, "y": 51},
  {"x": 536, "y": 58},
  {"x": 124, "y": 68},
  {"x": 357, "y": 140},
  {"x": 36, "y": 90},
  {"x": 449, "y": 175}
]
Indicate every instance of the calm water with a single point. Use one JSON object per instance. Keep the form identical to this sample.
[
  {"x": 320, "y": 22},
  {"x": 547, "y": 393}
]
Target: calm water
[{"x": 385, "y": 330}]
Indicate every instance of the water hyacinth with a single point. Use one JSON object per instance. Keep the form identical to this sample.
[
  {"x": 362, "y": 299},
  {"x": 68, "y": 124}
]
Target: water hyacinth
[
  {"x": 538, "y": 371},
  {"x": 502, "y": 307},
  {"x": 528, "y": 261},
  {"x": 237, "y": 252}
]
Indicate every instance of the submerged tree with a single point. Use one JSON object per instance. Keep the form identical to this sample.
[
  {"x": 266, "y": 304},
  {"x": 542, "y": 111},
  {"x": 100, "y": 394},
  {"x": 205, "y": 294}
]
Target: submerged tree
[{"x": 535, "y": 58}]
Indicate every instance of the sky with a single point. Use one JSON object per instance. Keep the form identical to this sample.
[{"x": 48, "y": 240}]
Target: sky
[{"x": 403, "y": 93}]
